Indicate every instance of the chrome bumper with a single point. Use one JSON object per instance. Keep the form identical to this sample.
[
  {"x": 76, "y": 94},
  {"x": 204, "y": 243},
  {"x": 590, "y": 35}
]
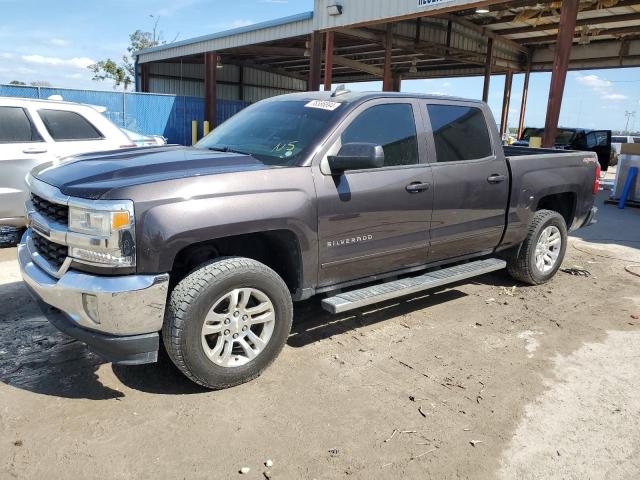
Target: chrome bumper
[{"x": 117, "y": 305}]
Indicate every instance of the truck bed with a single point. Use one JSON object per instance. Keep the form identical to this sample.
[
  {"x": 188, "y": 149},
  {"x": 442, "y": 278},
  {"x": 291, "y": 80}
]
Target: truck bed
[{"x": 515, "y": 151}]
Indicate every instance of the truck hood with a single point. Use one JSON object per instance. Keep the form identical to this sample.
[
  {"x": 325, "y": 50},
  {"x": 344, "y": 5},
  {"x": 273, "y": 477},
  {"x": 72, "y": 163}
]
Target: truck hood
[{"x": 93, "y": 175}]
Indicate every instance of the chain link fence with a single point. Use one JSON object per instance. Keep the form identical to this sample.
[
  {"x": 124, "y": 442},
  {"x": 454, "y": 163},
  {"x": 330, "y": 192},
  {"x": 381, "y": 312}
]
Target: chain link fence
[{"x": 146, "y": 113}]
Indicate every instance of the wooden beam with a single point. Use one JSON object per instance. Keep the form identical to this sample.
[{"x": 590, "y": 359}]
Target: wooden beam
[
  {"x": 315, "y": 61},
  {"x": 210, "y": 96},
  {"x": 568, "y": 17},
  {"x": 396, "y": 81},
  {"x": 387, "y": 79},
  {"x": 485, "y": 32},
  {"x": 506, "y": 100},
  {"x": 487, "y": 70},
  {"x": 328, "y": 60},
  {"x": 356, "y": 65},
  {"x": 627, "y": 17},
  {"x": 576, "y": 35},
  {"x": 595, "y": 6}
]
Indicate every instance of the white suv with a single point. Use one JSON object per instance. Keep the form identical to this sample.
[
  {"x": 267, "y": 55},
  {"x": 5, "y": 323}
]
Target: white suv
[{"x": 37, "y": 131}]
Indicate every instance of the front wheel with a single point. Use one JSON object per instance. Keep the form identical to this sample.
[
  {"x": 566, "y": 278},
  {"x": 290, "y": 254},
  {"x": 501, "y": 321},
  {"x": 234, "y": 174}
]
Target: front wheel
[
  {"x": 542, "y": 252},
  {"x": 227, "y": 321}
]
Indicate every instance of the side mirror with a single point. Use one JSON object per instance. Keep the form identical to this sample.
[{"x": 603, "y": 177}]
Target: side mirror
[{"x": 356, "y": 156}]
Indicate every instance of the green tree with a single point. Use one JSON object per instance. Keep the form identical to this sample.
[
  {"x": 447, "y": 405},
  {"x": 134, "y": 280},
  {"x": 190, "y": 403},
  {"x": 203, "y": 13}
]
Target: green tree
[
  {"x": 122, "y": 73},
  {"x": 16, "y": 82}
]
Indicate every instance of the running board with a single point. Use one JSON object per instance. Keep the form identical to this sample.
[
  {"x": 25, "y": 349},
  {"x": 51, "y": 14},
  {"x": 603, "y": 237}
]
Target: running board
[{"x": 406, "y": 286}]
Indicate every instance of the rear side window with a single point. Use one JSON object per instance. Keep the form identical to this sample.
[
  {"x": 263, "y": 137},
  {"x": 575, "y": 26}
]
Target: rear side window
[
  {"x": 16, "y": 126},
  {"x": 460, "y": 133},
  {"x": 619, "y": 139},
  {"x": 636, "y": 139},
  {"x": 64, "y": 125},
  {"x": 391, "y": 126}
]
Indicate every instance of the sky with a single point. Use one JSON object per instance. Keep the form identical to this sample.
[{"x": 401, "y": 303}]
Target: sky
[{"x": 56, "y": 41}]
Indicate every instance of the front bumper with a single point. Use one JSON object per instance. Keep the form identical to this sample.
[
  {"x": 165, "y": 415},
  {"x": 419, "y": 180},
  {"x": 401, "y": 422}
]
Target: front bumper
[{"x": 118, "y": 316}]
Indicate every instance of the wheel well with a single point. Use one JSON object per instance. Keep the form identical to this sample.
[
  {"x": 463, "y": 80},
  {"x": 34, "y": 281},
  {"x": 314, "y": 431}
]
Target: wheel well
[
  {"x": 278, "y": 249},
  {"x": 563, "y": 203}
]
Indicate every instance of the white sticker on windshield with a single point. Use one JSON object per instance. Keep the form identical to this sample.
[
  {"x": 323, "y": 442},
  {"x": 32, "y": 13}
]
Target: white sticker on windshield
[{"x": 322, "y": 104}]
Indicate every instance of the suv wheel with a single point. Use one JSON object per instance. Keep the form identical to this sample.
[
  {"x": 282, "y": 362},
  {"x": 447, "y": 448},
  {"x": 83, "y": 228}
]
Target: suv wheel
[
  {"x": 227, "y": 321},
  {"x": 542, "y": 252}
]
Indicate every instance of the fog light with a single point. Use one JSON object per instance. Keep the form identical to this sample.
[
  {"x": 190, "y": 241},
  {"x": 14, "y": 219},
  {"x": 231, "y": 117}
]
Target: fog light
[{"x": 90, "y": 304}]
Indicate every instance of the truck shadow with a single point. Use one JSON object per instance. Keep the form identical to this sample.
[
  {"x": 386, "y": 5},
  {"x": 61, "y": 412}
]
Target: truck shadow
[
  {"x": 311, "y": 323},
  {"x": 35, "y": 357}
]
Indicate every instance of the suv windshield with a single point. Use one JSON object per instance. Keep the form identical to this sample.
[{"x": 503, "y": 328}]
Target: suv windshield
[{"x": 276, "y": 132}]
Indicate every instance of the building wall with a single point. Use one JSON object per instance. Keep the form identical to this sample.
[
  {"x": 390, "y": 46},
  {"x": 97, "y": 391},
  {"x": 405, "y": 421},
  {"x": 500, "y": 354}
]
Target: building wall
[
  {"x": 188, "y": 79},
  {"x": 363, "y": 11}
]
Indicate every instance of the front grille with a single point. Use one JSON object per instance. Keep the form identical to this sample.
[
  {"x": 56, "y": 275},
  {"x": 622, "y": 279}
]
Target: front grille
[
  {"x": 53, "y": 252},
  {"x": 52, "y": 211}
]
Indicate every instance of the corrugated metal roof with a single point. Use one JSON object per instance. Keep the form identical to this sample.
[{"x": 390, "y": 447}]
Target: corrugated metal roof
[{"x": 291, "y": 26}]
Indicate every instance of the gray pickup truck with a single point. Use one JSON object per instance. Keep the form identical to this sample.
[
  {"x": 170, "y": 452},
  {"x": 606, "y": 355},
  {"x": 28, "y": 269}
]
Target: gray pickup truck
[{"x": 359, "y": 197}]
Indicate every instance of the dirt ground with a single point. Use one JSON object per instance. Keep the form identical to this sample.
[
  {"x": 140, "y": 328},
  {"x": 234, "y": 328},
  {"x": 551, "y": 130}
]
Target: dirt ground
[{"x": 474, "y": 381}]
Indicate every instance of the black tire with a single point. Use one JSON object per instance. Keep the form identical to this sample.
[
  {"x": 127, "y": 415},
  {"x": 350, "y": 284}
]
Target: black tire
[
  {"x": 522, "y": 265},
  {"x": 196, "y": 294},
  {"x": 10, "y": 236}
]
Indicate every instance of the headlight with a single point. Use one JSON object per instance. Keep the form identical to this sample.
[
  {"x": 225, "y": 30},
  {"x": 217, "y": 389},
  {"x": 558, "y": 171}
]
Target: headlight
[{"x": 104, "y": 232}]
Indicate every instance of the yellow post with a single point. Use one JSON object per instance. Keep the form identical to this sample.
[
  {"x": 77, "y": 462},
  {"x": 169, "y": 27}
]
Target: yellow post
[
  {"x": 194, "y": 132},
  {"x": 205, "y": 128}
]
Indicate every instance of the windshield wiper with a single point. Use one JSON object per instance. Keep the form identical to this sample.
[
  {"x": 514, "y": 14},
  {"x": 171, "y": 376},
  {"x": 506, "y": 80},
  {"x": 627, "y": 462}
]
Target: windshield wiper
[{"x": 227, "y": 149}]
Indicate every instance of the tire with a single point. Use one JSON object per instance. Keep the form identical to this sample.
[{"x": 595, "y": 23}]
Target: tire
[
  {"x": 205, "y": 298},
  {"x": 522, "y": 266},
  {"x": 10, "y": 236}
]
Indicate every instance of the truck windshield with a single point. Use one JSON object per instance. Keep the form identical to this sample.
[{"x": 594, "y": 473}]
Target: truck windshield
[{"x": 275, "y": 132}]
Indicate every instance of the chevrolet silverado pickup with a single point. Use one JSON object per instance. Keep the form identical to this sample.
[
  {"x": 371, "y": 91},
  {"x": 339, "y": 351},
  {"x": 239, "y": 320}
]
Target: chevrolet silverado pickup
[{"x": 357, "y": 197}]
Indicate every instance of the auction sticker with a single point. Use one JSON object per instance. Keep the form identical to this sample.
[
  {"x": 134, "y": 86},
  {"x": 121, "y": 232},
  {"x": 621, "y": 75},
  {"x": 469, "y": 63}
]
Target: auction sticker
[{"x": 322, "y": 104}]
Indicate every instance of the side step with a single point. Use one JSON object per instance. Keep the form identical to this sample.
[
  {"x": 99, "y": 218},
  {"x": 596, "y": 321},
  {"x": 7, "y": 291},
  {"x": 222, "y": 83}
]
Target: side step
[{"x": 406, "y": 286}]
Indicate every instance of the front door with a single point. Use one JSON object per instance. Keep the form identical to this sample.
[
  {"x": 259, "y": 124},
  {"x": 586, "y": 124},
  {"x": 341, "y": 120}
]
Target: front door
[
  {"x": 471, "y": 180},
  {"x": 376, "y": 220}
]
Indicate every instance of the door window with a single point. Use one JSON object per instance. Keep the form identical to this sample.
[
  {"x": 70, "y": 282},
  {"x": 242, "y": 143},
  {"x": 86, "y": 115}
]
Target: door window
[
  {"x": 460, "y": 133},
  {"x": 391, "y": 126},
  {"x": 16, "y": 126},
  {"x": 597, "y": 139},
  {"x": 65, "y": 125}
]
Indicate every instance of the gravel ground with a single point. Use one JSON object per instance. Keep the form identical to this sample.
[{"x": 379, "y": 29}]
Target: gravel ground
[{"x": 474, "y": 381}]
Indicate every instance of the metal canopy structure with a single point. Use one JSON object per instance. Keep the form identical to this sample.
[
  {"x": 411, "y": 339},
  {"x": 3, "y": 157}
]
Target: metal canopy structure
[{"x": 365, "y": 40}]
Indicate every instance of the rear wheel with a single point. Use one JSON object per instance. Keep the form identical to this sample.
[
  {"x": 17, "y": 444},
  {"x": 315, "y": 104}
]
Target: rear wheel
[
  {"x": 227, "y": 321},
  {"x": 542, "y": 252}
]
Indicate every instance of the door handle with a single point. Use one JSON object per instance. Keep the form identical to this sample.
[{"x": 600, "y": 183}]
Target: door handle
[
  {"x": 495, "y": 178},
  {"x": 416, "y": 187},
  {"x": 35, "y": 150}
]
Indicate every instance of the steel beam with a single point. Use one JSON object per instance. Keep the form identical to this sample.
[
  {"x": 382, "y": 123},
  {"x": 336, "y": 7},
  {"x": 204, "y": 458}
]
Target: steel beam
[
  {"x": 210, "y": 96},
  {"x": 315, "y": 61},
  {"x": 523, "y": 104},
  {"x": 387, "y": 79},
  {"x": 487, "y": 70},
  {"x": 328, "y": 60},
  {"x": 506, "y": 100},
  {"x": 568, "y": 17},
  {"x": 485, "y": 32},
  {"x": 356, "y": 65}
]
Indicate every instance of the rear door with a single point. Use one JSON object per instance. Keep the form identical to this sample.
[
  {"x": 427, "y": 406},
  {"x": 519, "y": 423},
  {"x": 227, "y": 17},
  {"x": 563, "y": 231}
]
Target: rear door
[
  {"x": 376, "y": 220},
  {"x": 471, "y": 180},
  {"x": 21, "y": 148},
  {"x": 72, "y": 132},
  {"x": 599, "y": 141}
]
